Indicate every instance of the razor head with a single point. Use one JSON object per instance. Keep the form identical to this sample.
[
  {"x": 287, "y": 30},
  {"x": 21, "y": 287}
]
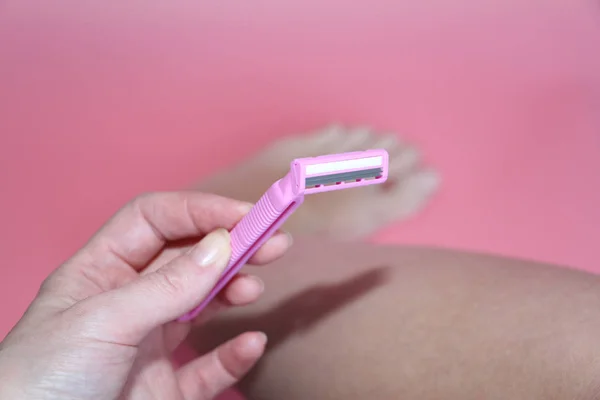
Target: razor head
[{"x": 341, "y": 171}]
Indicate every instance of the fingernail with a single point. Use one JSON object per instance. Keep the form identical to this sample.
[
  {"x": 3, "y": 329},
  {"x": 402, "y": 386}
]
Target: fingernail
[
  {"x": 253, "y": 345},
  {"x": 259, "y": 340},
  {"x": 282, "y": 238},
  {"x": 213, "y": 249},
  {"x": 259, "y": 283},
  {"x": 246, "y": 207},
  {"x": 289, "y": 237}
]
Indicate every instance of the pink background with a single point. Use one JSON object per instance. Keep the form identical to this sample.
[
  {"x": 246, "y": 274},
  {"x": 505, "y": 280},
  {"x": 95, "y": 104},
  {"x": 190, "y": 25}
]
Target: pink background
[{"x": 101, "y": 100}]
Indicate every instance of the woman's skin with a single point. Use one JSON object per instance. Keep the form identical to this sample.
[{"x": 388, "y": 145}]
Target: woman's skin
[
  {"x": 344, "y": 320},
  {"x": 102, "y": 326},
  {"x": 357, "y": 321}
]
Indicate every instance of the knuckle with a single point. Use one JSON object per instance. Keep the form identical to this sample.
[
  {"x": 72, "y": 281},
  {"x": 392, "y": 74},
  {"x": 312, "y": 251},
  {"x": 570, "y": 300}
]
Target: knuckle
[
  {"x": 232, "y": 369},
  {"x": 141, "y": 199},
  {"x": 53, "y": 282},
  {"x": 165, "y": 281},
  {"x": 47, "y": 285}
]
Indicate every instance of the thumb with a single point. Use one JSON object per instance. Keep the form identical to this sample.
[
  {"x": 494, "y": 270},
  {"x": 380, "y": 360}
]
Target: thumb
[{"x": 129, "y": 313}]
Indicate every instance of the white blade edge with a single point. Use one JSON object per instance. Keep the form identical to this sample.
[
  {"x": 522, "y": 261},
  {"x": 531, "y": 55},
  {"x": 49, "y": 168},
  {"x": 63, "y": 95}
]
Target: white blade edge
[{"x": 344, "y": 165}]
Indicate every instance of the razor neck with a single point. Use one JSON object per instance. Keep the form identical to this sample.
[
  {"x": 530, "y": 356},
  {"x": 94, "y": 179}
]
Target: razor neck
[{"x": 286, "y": 191}]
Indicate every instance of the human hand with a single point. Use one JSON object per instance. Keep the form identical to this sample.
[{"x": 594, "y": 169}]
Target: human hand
[{"x": 102, "y": 325}]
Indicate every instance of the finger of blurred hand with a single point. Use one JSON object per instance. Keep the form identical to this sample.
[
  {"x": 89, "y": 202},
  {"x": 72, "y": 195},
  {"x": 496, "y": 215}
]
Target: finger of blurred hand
[
  {"x": 211, "y": 374},
  {"x": 273, "y": 249},
  {"x": 242, "y": 290}
]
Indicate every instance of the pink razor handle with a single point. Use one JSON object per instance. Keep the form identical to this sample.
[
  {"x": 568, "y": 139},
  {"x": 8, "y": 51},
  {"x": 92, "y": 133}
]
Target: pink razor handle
[
  {"x": 306, "y": 176},
  {"x": 271, "y": 211}
]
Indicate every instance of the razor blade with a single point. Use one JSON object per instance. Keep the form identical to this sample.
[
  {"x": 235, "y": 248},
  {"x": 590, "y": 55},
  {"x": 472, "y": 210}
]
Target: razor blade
[
  {"x": 307, "y": 176},
  {"x": 342, "y": 171}
]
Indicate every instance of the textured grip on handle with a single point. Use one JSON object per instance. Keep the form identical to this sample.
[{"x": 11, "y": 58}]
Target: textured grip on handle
[
  {"x": 252, "y": 227},
  {"x": 251, "y": 232}
]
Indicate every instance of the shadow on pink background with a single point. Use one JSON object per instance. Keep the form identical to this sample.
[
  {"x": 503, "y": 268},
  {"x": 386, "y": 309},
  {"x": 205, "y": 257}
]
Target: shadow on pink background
[{"x": 100, "y": 101}]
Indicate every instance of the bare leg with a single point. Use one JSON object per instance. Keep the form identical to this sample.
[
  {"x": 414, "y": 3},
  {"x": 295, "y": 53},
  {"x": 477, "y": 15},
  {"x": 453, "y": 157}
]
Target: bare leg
[{"x": 355, "y": 321}]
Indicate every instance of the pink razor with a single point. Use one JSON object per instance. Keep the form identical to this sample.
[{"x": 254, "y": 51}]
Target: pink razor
[{"x": 306, "y": 176}]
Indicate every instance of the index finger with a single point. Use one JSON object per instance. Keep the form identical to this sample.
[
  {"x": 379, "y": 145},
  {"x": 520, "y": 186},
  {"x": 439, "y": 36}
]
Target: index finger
[
  {"x": 140, "y": 230},
  {"x": 134, "y": 237}
]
